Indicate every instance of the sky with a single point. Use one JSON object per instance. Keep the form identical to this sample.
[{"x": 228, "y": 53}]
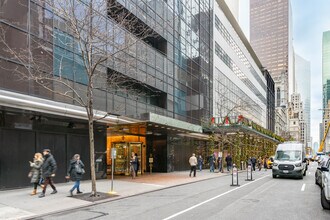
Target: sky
[{"x": 310, "y": 19}]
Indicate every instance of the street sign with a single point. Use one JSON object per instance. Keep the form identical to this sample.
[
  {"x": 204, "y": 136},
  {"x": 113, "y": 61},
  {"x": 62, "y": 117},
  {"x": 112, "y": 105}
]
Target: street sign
[{"x": 113, "y": 153}]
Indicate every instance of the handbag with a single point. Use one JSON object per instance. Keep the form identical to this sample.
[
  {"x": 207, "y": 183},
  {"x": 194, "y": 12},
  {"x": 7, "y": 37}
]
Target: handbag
[
  {"x": 79, "y": 169},
  {"x": 30, "y": 174}
]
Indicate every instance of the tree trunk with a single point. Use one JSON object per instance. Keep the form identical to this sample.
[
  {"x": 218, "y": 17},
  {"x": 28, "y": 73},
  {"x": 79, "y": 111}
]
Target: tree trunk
[{"x": 92, "y": 155}]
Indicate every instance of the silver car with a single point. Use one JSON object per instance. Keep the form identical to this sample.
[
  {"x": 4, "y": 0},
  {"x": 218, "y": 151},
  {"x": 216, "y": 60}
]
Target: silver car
[{"x": 325, "y": 189}]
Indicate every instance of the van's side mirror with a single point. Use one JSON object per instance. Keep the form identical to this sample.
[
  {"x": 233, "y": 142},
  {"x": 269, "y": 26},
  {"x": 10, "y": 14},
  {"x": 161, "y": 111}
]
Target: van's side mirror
[{"x": 324, "y": 169}]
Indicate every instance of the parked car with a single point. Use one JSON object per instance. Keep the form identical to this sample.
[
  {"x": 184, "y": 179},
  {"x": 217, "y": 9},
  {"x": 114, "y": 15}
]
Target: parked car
[
  {"x": 325, "y": 189},
  {"x": 318, "y": 172}
]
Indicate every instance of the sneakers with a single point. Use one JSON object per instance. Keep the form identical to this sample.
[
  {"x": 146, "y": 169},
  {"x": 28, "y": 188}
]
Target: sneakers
[
  {"x": 70, "y": 193},
  {"x": 79, "y": 192},
  {"x": 54, "y": 191}
]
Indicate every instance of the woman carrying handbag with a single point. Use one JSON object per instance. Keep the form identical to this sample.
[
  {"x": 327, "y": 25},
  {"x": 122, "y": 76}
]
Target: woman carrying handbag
[{"x": 75, "y": 173}]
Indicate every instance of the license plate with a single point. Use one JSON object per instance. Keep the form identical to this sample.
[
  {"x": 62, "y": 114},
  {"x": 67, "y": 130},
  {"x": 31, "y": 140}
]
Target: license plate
[{"x": 285, "y": 171}]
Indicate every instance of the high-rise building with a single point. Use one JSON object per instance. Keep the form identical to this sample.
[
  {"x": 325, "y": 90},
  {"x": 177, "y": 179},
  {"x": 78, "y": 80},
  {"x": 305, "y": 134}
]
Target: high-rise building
[
  {"x": 233, "y": 5},
  {"x": 270, "y": 37},
  {"x": 302, "y": 86},
  {"x": 169, "y": 90},
  {"x": 326, "y": 67},
  {"x": 297, "y": 124},
  {"x": 239, "y": 86}
]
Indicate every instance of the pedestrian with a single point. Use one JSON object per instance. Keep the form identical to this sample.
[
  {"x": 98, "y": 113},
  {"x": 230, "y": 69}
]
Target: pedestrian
[
  {"x": 211, "y": 162},
  {"x": 259, "y": 163},
  {"x": 193, "y": 163},
  {"x": 75, "y": 173},
  {"x": 137, "y": 164},
  {"x": 35, "y": 173},
  {"x": 254, "y": 161},
  {"x": 200, "y": 162},
  {"x": 265, "y": 163},
  {"x": 48, "y": 170},
  {"x": 133, "y": 165},
  {"x": 229, "y": 161},
  {"x": 220, "y": 163},
  {"x": 104, "y": 165}
]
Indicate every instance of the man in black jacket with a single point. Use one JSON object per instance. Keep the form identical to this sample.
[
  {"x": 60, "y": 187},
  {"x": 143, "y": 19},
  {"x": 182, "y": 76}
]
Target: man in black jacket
[{"x": 48, "y": 171}]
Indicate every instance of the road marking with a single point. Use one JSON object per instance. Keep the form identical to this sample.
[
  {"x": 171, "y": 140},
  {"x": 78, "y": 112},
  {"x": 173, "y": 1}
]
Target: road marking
[
  {"x": 303, "y": 187},
  {"x": 211, "y": 199},
  {"x": 309, "y": 173}
]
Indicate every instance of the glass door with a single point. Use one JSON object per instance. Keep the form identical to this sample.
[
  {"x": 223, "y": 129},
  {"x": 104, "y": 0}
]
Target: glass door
[{"x": 121, "y": 165}]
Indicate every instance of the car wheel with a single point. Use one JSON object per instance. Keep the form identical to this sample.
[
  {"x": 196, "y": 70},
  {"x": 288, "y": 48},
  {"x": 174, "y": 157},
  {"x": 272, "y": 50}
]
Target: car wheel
[{"x": 324, "y": 202}]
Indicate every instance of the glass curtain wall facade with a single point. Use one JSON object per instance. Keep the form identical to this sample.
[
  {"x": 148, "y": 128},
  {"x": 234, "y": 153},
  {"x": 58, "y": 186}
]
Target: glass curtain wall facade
[
  {"x": 270, "y": 38},
  {"x": 326, "y": 68},
  {"x": 181, "y": 70},
  {"x": 175, "y": 65},
  {"x": 239, "y": 85}
]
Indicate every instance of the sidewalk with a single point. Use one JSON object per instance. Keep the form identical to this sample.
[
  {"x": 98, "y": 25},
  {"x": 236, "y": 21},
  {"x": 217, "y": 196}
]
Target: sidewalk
[{"x": 18, "y": 204}]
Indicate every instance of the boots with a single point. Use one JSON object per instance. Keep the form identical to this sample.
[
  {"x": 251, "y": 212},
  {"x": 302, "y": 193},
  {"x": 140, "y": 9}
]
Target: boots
[{"x": 34, "y": 192}]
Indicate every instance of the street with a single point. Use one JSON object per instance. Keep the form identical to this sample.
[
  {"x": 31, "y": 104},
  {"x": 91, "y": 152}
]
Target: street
[{"x": 263, "y": 198}]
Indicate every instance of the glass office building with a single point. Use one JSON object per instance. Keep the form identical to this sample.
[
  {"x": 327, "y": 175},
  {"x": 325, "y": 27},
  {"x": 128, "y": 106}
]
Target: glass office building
[
  {"x": 239, "y": 86},
  {"x": 174, "y": 64}
]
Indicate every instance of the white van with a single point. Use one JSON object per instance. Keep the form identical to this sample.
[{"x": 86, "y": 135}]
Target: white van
[{"x": 290, "y": 160}]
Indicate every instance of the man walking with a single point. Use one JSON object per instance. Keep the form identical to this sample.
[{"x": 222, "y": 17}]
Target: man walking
[
  {"x": 254, "y": 161},
  {"x": 229, "y": 162},
  {"x": 48, "y": 171},
  {"x": 193, "y": 163}
]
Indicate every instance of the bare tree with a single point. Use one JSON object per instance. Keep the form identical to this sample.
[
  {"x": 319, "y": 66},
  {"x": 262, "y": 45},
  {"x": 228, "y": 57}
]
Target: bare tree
[{"x": 88, "y": 47}]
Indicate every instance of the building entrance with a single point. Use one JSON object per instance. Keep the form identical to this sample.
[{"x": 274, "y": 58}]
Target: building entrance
[{"x": 124, "y": 152}]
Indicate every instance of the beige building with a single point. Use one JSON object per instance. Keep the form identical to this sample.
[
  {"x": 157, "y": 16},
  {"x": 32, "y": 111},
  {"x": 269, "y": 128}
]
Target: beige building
[{"x": 296, "y": 122}]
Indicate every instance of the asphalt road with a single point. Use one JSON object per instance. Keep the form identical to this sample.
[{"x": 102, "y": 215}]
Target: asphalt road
[{"x": 263, "y": 198}]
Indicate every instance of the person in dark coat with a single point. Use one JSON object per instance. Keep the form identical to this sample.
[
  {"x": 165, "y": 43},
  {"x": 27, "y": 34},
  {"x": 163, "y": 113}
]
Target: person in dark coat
[
  {"x": 133, "y": 165},
  {"x": 229, "y": 161},
  {"x": 49, "y": 168},
  {"x": 104, "y": 165},
  {"x": 137, "y": 164},
  {"x": 35, "y": 173},
  {"x": 75, "y": 172},
  {"x": 254, "y": 161},
  {"x": 211, "y": 162}
]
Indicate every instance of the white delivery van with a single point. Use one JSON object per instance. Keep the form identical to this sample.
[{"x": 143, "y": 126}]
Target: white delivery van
[{"x": 290, "y": 160}]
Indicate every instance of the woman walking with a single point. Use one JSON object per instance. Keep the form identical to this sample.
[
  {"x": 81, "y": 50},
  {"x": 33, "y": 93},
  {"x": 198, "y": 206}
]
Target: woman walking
[
  {"x": 75, "y": 172},
  {"x": 35, "y": 173}
]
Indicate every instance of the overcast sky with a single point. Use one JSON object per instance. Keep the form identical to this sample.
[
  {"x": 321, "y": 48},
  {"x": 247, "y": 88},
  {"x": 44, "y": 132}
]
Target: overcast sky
[{"x": 310, "y": 19}]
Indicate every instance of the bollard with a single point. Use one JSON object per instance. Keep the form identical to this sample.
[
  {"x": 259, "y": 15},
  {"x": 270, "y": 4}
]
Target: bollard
[
  {"x": 249, "y": 173},
  {"x": 234, "y": 176}
]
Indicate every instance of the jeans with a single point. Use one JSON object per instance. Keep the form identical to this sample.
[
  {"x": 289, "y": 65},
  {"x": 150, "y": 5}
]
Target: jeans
[
  {"x": 200, "y": 167},
  {"x": 76, "y": 186},
  {"x": 212, "y": 168},
  {"x": 228, "y": 167}
]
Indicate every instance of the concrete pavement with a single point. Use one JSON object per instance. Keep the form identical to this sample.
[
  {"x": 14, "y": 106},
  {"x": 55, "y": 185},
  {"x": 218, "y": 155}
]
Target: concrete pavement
[{"x": 18, "y": 204}]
